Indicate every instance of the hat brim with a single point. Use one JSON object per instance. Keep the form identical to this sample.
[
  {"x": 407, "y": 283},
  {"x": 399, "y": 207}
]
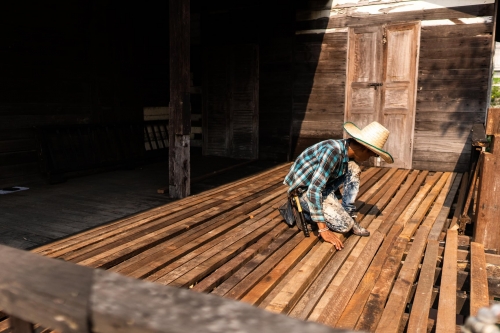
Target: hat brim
[{"x": 356, "y": 133}]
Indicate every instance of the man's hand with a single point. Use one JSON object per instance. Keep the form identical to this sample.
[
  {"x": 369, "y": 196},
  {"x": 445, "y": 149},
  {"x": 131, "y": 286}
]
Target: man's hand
[{"x": 330, "y": 237}]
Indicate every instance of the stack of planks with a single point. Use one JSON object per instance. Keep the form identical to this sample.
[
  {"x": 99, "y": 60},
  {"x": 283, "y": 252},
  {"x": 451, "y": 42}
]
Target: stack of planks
[{"x": 231, "y": 241}]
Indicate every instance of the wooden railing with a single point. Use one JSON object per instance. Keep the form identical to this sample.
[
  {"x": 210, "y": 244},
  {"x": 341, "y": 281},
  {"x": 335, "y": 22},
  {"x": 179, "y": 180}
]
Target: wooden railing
[{"x": 70, "y": 298}]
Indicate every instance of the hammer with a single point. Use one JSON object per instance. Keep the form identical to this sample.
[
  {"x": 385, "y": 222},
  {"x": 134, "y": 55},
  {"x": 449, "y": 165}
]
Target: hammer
[{"x": 303, "y": 223}]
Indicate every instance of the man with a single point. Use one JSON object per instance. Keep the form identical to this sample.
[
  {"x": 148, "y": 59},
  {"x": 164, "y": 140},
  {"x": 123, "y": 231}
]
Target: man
[{"x": 320, "y": 170}]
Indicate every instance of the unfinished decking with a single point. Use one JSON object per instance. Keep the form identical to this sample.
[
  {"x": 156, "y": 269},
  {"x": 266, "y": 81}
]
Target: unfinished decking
[{"x": 231, "y": 241}]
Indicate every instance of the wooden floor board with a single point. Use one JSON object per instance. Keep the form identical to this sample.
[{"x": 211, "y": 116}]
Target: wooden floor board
[
  {"x": 446, "y": 316},
  {"x": 230, "y": 240}
]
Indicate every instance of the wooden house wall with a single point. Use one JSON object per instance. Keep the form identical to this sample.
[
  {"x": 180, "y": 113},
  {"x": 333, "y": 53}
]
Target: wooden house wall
[
  {"x": 453, "y": 76},
  {"x": 270, "y": 26},
  {"x": 43, "y": 79},
  {"x": 70, "y": 63}
]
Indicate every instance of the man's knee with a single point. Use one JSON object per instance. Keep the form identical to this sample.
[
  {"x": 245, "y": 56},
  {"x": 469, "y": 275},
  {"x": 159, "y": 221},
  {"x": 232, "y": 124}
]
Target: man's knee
[{"x": 354, "y": 168}]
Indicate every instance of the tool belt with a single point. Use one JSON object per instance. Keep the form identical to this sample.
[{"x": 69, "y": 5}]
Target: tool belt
[{"x": 292, "y": 213}]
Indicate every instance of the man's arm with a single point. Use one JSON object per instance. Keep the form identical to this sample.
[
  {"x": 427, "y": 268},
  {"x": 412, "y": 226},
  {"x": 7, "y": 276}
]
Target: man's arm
[{"x": 329, "y": 157}]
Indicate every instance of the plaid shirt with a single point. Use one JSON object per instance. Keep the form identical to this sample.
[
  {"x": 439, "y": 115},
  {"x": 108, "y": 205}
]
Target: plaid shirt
[{"x": 317, "y": 166}]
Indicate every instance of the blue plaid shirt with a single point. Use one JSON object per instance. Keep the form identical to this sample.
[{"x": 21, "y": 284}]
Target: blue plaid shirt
[{"x": 317, "y": 166}]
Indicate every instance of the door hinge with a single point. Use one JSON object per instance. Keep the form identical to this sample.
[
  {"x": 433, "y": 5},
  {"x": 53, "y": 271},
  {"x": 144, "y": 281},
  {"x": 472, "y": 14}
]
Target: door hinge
[{"x": 384, "y": 36}]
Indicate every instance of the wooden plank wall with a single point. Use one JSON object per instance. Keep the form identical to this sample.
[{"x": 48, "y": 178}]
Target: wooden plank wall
[
  {"x": 73, "y": 63},
  {"x": 452, "y": 79},
  {"x": 319, "y": 88},
  {"x": 42, "y": 81},
  {"x": 452, "y": 91},
  {"x": 276, "y": 78}
]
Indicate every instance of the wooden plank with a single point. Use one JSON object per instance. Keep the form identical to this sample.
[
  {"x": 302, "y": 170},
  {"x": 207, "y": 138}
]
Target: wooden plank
[
  {"x": 288, "y": 295},
  {"x": 152, "y": 260},
  {"x": 342, "y": 276},
  {"x": 249, "y": 275},
  {"x": 111, "y": 229},
  {"x": 41, "y": 280},
  {"x": 461, "y": 200},
  {"x": 257, "y": 293},
  {"x": 390, "y": 320},
  {"x": 394, "y": 309},
  {"x": 441, "y": 219},
  {"x": 241, "y": 235},
  {"x": 479, "y": 296},
  {"x": 332, "y": 312},
  {"x": 357, "y": 303},
  {"x": 312, "y": 295},
  {"x": 20, "y": 326},
  {"x": 145, "y": 304},
  {"x": 412, "y": 225},
  {"x": 374, "y": 306},
  {"x": 493, "y": 122},
  {"x": 486, "y": 226},
  {"x": 219, "y": 258},
  {"x": 353, "y": 19},
  {"x": 372, "y": 311},
  {"x": 217, "y": 277},
  {"x": 422, "y": 301},
  {"x": 105, "y": 255},
  {"x": 401, "y": 200},
  {"x": 446, "y": 317},
  {"x": 378, "y": 202}
]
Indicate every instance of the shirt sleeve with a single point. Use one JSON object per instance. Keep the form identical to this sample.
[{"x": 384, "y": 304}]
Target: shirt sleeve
[{"x": 327, "y": 161}]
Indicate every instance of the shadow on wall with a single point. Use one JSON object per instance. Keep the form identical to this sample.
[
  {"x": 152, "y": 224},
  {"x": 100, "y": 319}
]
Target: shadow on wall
[{"x": 319, "y": 81}]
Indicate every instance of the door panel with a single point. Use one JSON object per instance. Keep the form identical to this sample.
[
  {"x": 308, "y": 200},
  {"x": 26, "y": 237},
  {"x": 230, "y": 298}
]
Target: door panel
[
  {"x": 362, "y": 100},
  {"x": 381, "y": 84},
  {"x": 398, "y": 101}
]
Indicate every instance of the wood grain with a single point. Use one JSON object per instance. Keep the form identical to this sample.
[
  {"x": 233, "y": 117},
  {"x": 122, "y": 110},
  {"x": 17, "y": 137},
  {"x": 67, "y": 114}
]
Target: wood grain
[
  {"x": 479, "y": 296},
  {"x": 446, "y": 316}
]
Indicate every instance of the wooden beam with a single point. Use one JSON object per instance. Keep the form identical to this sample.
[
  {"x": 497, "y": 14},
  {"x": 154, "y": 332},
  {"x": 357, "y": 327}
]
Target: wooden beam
[
  {"x": 20, "y": 326},
  {"x": 479, "y": 296},
  {"x": 486, "y": 227},
  {"x": 422, "y": 301},
  {"x": 180, "y": 106},
  {"x": 71, "y": 298},
  {"x": 446, "y": 319},
  {"x": 493, "y": 122}
]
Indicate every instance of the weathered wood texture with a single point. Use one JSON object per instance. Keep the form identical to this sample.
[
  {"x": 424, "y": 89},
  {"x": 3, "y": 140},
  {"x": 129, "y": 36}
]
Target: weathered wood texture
[
  {"x": 231, "y": 241},
  {"x": 452, "y": 86},
  {"x": 479, "y": 279},
  {"x": 179, "y": 178},
  {"x": 72, "y": 298},
  {"x": 446, "y": 317},
  {"x": 486, "y": 226},
  {"x": 231, "y": 101},
  {"x": 318, "y": 89},
  {"x": 446, "y": 107}
]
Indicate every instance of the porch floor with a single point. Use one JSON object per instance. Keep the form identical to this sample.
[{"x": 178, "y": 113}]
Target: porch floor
[
  {"x": 232, "y": 242},
  {"x": 45, "y": 213}
]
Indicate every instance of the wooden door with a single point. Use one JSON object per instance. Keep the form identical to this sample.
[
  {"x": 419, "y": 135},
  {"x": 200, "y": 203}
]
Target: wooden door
[
  {"x": 389, "y": 53},
  {"x": 364, "y": 71},
  {"x": 231, "y": 102}
]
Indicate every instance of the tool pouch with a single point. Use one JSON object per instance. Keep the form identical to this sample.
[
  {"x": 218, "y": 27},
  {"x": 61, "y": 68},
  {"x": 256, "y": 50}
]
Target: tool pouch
[{"x": 287, "y": 212}]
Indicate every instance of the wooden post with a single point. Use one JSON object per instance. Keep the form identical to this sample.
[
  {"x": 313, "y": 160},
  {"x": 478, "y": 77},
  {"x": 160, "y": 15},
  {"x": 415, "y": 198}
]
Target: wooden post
[
  {"x": 179, "y": 127},
  {"x": 488, "y": 210}
]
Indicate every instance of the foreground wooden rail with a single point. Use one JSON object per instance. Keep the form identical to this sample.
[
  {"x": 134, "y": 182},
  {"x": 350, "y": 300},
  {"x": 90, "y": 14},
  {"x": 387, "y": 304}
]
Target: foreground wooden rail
[{"x": 72, "y": 298}]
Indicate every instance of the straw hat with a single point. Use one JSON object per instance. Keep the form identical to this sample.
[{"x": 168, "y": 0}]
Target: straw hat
[{"x": 373, "y": 137}]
